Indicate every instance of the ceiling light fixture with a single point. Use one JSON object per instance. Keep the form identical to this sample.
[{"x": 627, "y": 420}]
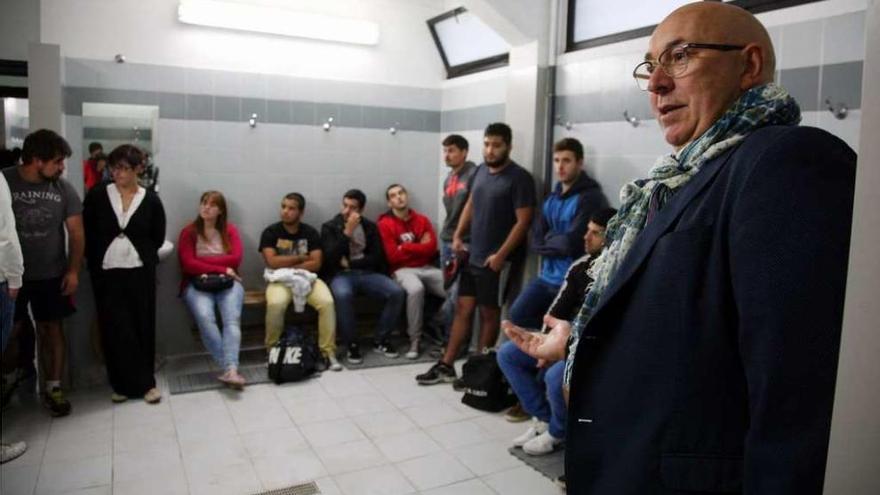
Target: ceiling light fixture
[{"x": 271, "y": 20}]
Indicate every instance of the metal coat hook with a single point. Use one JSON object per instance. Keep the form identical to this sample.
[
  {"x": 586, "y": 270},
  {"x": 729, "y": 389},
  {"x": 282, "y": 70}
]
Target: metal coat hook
[
  {"x": 839, "y": 111},
  {"x": 328, "y": 124},
  {"x": 393, "y": 128},
  {"x": 633, "y": 120},
  {"x": 567, "y": 124},
  {"x": 253, "y": 120}
]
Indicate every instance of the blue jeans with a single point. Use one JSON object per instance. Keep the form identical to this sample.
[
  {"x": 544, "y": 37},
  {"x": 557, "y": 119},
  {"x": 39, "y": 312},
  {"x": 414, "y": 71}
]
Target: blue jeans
[
  {"x": 533, "y": 303},
  {"x": 448, "y": 308},
  {"x": 7, "y": 312},
  {"x": 223, "y": 348},
  {"x": 346, "y": 284},
  {"x": 538, "y": 390}
]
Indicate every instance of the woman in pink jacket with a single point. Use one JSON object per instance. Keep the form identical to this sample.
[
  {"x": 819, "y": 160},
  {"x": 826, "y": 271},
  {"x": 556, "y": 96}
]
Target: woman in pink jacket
[{"x": 211, "y": 245}]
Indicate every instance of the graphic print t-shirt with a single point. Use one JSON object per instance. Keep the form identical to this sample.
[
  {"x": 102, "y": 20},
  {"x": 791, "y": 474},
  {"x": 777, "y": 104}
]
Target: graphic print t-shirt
[
  {"x": 40, "y": 212},
  {"x": 305, "y": 240}
]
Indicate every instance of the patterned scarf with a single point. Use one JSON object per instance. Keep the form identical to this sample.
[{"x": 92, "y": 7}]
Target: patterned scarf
[{"x": 758, "y": 107}]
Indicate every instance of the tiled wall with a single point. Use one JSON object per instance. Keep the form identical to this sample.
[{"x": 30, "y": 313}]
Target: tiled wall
[
  {"x": 204, "y": 142},
  {"x": 816, "y": 59}
]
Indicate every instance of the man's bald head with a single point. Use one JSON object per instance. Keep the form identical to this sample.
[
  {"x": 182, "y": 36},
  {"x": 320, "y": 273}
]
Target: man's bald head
[
  {"x": 723, "y": 51},
  {"x": 729, "y": 24}
]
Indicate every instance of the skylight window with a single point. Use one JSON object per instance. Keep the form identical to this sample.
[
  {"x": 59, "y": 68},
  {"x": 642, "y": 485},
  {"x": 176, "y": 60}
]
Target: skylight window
[{"x": 466, "y": 43}]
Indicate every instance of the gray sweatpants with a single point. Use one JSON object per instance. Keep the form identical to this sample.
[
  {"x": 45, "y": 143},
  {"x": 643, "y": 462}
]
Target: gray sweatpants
[{"x": 415, "y": 281}]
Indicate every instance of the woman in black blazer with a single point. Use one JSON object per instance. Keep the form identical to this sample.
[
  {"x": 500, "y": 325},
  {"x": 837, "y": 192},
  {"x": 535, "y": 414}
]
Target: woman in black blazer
[{"x": 125, "y": 226}]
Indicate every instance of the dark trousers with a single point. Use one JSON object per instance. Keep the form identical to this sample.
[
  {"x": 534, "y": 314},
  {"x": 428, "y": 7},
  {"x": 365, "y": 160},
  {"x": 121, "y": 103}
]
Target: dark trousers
[{"x": 126, "y": 302}]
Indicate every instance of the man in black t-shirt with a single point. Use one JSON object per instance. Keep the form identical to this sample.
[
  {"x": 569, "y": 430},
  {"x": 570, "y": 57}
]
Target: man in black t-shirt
[
  {"x": 293, "y": 244},
  {"x": 497, "y": 215}
]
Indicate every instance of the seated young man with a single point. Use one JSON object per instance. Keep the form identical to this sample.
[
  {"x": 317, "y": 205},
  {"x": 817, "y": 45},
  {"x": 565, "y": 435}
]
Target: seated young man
[
  {"x": 293, "y": 244},
  {"x": 355, "y": 264},
  {"x": 521, "y": 367},
  {"x": 411, "y": 248}
]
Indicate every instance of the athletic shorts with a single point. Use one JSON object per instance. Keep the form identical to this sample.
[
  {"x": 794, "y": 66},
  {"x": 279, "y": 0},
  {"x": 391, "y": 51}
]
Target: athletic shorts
[
  {"x": 45, "y": 300},
  {"x": 484, "y": 284}
]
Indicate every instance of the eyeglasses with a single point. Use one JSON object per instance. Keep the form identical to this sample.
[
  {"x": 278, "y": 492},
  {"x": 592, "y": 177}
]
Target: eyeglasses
[{"x": 674, "y": 61}]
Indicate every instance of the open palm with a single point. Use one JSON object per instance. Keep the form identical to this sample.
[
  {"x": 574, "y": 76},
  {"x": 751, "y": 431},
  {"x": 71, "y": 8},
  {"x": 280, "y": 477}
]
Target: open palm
[{"x": 544, "y": 347}]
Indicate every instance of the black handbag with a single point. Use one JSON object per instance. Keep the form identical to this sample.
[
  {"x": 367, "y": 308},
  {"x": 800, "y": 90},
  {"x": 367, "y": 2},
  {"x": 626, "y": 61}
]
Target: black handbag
[
  {"x": 212, "y": 282},
  {"x": 486, "y": 388}
]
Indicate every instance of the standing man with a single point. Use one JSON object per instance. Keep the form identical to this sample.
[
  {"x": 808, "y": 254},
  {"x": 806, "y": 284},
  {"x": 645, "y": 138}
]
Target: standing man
[
  {"x": 355, "y": 264},
  {"x": 497, "y": 214},
  {"x": 456, "y": 189},
  {"x": 558, "y": 233},
  {"x": 45, "y": 204},
  {"x": 11, "y": 270},
  {"x": 411, "y": 249},
  {"x": 92, "y": 173},
  {"x": 705, "y": 354},
  {"x": 291, "y": 243}
]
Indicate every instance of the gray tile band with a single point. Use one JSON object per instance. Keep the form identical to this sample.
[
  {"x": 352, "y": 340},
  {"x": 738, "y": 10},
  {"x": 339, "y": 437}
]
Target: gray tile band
[
  {"x": 840, "y": 82},
  {"x": 235, "y": 109},
  {"x": 116, "y": 134}
]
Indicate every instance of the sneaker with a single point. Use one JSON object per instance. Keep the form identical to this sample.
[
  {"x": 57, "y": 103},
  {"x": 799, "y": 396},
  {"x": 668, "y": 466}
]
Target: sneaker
[
  {"x": 333, "y": 363},
  {"x": 56, "y": 403},
  {"x": 440, "y": 372},
  {"x": 118, "y": 398},
  {"x": 458, "y": 385},
  {"x": 413, "y": 351},
  {"x": 537, "y": 428},
  {"x": 385, "y": 347},
  {"x": 542, "y": 444},
  {"x": 560, "y": 482},
  {"x": 517, "y": 414},
  {"x": 153, "y": 396},
  {"x": 354, "y": 354},
  {"x": 10, "y": 451}
]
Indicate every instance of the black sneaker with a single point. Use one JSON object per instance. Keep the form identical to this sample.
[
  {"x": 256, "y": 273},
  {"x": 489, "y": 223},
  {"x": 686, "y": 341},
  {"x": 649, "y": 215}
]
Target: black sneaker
[
  {"x": 354, "y": 354},
  {"x": 458, "y": 385},
  {"x": 385, "y": 347},
  {"x": 440, "y": 372},
  {"x": 56, "y": 403}
]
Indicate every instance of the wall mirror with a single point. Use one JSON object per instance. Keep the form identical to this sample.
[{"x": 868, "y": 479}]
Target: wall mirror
[{"x": 113, "y": 124}]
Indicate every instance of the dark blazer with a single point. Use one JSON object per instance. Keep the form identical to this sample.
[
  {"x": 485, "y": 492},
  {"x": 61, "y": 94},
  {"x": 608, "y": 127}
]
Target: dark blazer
[
  {"x": 145, "y": 229},
  {"x": 335, "y": 245},
  {"x": 709, "y": 365}
]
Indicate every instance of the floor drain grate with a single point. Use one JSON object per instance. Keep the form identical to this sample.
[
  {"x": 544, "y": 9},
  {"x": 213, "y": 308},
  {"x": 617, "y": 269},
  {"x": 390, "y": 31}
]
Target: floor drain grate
[{"x": 309, "y": 488}]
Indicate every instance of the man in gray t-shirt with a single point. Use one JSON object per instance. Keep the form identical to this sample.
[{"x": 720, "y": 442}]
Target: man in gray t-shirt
[
  {"x": 498, "y": 215},
  {"x": 45, "y": 205}
]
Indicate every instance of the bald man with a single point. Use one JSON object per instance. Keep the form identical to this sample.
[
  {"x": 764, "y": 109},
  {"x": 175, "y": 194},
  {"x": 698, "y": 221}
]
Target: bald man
[{"x": 704, "y": 357}]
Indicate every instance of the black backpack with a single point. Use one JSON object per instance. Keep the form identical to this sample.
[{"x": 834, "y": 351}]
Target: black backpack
[
  {"x": 486, "y": 388},
  {"x": 294, "y": 357}
]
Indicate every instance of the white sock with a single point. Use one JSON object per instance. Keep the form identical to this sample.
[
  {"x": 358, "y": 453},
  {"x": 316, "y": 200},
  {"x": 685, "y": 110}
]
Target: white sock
[{"x": 50, "y": 384}]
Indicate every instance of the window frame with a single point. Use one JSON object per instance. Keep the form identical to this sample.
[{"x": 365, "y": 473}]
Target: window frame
[
  {"x": 475, "y": 66},
  {"x": 753, "y": 6}
]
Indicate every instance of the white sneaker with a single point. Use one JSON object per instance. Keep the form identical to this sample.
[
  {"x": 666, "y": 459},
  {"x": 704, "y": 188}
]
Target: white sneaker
[
  {"x": 537, "y": 428},
  {"x": 334, "y": 363},
  {"x": 413, "y": 351},
  {"x": 541, "y": 444},
  {"x": 10, "y": 451}
]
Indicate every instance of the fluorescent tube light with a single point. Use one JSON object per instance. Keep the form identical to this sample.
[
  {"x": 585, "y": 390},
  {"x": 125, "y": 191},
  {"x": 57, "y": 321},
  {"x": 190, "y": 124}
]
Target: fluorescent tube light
[{"x": 270, "y": 20}]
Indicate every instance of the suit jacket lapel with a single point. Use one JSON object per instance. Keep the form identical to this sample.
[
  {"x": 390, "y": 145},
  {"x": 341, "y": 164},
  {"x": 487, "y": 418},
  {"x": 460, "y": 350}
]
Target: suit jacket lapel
[{"x": 659, "y": 226}]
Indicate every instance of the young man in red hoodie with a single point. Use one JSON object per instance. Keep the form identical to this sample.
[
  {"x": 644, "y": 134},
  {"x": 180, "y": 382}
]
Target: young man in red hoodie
[{"x": 411, "y": 248}]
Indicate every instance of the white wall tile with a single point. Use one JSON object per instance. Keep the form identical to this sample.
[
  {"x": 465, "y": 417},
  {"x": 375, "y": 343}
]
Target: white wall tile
[
  {"x": 844, "y": 38},
  {"x": 801, "y": 45}
]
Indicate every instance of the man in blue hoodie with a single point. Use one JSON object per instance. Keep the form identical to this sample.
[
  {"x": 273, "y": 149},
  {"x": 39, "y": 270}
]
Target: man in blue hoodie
[{"x": 557, "y": 235}]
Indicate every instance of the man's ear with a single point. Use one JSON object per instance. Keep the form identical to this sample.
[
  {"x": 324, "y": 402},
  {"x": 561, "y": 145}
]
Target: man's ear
[{"x": 753, "y": 68}]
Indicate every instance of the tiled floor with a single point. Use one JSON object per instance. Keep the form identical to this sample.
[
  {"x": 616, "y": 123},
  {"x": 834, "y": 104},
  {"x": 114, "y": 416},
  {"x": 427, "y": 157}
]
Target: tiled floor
[{"x": 355, "y": 432}]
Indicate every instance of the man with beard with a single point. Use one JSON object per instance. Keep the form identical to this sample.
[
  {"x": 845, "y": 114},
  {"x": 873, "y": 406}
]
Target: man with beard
[
  {"x": 44, "y": 204},
  {"x": 497, "y": 215}
]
